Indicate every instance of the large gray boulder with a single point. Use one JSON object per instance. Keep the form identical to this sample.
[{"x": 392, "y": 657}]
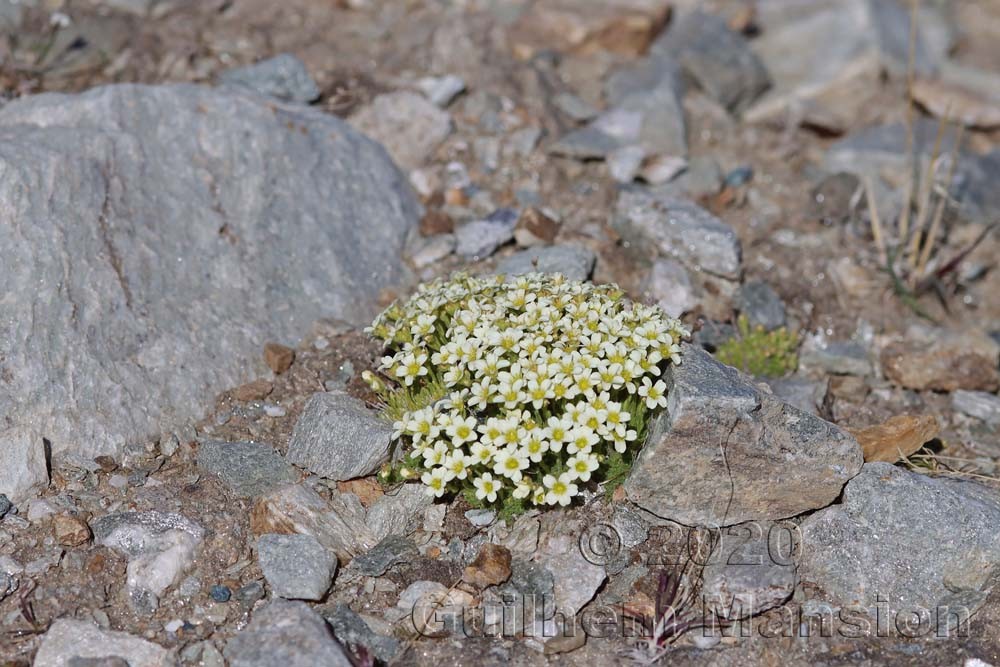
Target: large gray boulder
[
  {"x": 920, "y": 552},
  {"x": 724, "y": 451},
  {"x": 154, "y": 237}
]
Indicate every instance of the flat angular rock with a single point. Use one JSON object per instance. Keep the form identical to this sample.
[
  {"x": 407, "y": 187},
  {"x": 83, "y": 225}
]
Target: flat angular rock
[
  {"x": 337, "y": 437},
  {"x": 574, "y": 262},
  {"x": 285, "y": 633},
  {"x": 837, "y": 357},
  {"x": 978, "y": 404},
  {"x": 339, "y": 526},
  {"x": 901, "y": 542},
  {"x": 283, "y": 76},
  {"x": 249, "y": 469},
  {"x": 297, "y": 567},
  {"x": 751, "y": 570},
  {"x": 23, "y": 468},
  {"x": 388, "y": 552},
  {"x": 160, "y": 547},
  {"x": 409, "y": 125},
  {"x": 716, "y": 58},
  {"x": 946, "y": 362},
  {"x": 398, "y": 511},
  {"x": 761, "y": 305},
  {"x": 723, "y": 452},
  {"x": 576, "y": 579},
  {"x": 823, "y": 57},
  {"x": 349, "y": 628},
  {"x": 805, "y": 394},
  {"x": 480, "y": 238},
  {"x": 161, "y": 234},
  {"x": 669, "y": 284},
  {"x": 67, "y": 639},
  {"x": 680, "y": 229},
  {"x": 584, "y": 26}
]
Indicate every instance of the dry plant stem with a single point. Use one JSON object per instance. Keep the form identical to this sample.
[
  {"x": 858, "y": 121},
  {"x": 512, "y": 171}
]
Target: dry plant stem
[
  {"x": 876, "y": 222},
  {"x": 925, "y": 191},
  {"x": 925, "y": 253},
  {"x": 904, "y": 220}
]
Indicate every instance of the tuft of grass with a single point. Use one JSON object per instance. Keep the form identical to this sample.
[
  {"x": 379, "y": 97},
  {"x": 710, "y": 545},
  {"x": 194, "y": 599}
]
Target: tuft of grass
[{"x": 759, "y": 352}]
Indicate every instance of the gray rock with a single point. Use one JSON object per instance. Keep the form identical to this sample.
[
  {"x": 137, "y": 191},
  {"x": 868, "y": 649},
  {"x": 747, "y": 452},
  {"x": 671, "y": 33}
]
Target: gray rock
[
  {"x": 481, "y": 518},
  {"x": 978, "y": 404},
  {"x": 651, "y": 89},
  {"x": 297, "y": 567},
  {"x": 406, "y": 123},
  {"x": 529, "y": 593},
  {"x": 574, "y": 107},
  {"x": 680, "y": 229},
  {"x": 723, "y": 452},
  {"x": 761, "y": 305},
  {"x": 586, "y": 143},
  {"x": 838, "y": 357},
  {"x": 160, "y": 547},
  {"x": 441, "y": 90},
  {"x": 285, "y": 633},
  {"x": 339, "y": 525},
  {"x": 427, "y": 251},
  {"x": 902, "y": 542},
  {"x": 670, "y": 286},
  {"x": 821, "y": 53},
  {"x": 284, "y": 77},
  {"x": 337, "y": 437},
  {"x": 624, "y": 163},
  {"x": 127, "y": 188},
  {"x": 23, "y": 467},
  {"x": 350, "y": 629},
  {"x": 397, "y": 512},
  {"x": 574, "y": 262},
  {"x": 702, "y": 178},
  {"x": 713, "y": 334},
  {"x": 249, "y": 469},
  {"x": 67, "y": 640},
  {"x": 751, "y": 570},
  {"x": 5, "y": 505},
  {"x": 716, "y": 58},
  {"x": 480, "y": 238},
  {"x": 388, "y": 552},
  {"x": 631, "y": 528},
  {"x": 576, "y": 579},
  {"x": 805, "y": 394},
  {"x": 107, "y": 661}
]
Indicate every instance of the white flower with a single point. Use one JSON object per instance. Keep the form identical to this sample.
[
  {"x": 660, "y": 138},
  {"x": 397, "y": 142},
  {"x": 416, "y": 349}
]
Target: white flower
[
  {"x": 655, "y": 394},
  {"x": 411, "y": 367},
  {"x": 462, "y": 430},
  {"x": 511, "y": 379},
  {"x": 434, "y": 481},
  {"x": 509, "y": 462},
  {"x": 487, "y": 487},
  {"x": 561, "y": 489},
  {"x": 581, "y": 465}
]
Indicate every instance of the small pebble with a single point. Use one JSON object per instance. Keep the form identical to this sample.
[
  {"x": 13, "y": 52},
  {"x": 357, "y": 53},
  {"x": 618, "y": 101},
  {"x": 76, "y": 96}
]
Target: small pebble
[
  {"x": 739, "y": 176},
  {"x": 321, "y": 343},
  {"x": 5, "y": 505},
  {"x": 174, "y": 625},
  {"x": 251, "y": 592},
  {"x": 221, "y": 593},
  {"x": 118, "y": 481},
  {"x": 274, "y": 410}
]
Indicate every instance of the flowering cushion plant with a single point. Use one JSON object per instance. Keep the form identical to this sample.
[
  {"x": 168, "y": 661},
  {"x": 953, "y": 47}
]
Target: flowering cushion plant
[{"x": 522, "y": 391}]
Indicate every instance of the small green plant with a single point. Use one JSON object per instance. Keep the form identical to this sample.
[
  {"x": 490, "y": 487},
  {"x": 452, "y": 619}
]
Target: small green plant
[
  {"x": 516, "y": 394},
  {"x": 759, "y": 352}
]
